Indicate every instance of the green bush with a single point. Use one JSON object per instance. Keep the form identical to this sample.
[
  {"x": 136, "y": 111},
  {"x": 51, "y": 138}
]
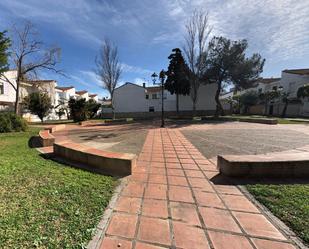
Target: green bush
[{"x": 11, "y": 122}]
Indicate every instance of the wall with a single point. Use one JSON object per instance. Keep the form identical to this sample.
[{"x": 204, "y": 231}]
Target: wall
[{"x": 9, "y": 92}]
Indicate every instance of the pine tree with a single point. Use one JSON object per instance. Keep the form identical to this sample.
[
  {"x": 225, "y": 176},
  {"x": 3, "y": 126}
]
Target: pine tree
[
  {"x": 4, "y": 54},
  {"x": 177, "y": 81}
]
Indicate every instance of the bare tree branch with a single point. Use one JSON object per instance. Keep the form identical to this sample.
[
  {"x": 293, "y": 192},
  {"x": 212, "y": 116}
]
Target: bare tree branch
[{"x": 108, "y": 68}]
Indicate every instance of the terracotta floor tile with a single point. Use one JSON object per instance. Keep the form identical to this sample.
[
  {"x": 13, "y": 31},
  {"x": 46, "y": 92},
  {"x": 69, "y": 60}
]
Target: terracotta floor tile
[
  {"x": 122, "y": 225},
  {"x": 173, "y": 165},
  {"x": 154, "y": 230},
  {"x": 172, "y": 160},
  {"x": 134, "y": 189},
  {"x": 178, "y": 180},
  {"x": 239, "y": 203},
  {"x": 201, "y": 183},
  {"x": 202, "y": 161},
  {"x": 183, "y": 156},
  {"x": 268, "y": 244},
  {"x": 182, "y": 194},
  {"x": 219, "y": 219},
  {"x": 229, "y": 241},
  {"x": 114, "y": 243},
  {"x": 153, "y": 178},
  {"x": 175, "y": 172},
  {"x": 190, "y": 166},
  {"x": 157, "y": 171},
  {"x": 258, "y": 225},
  {"x": 211, "y": 174},
  {"x": 155, "y": 208},
  {"x": 189, "y": 237},
  {"x": 194, "y": 173},
  {"x": 208, "y": 167},
  {"x": 228, "y": 189},
  {"x": 139, "y": 177},
  {"x": 208, "y": 199},
  {"x": 158, "y": 164},
  {"x": 140, "y": 245},
  {"x": 156, "y": 191},
  {"x": 185, "y": 212},
  {"x": 128, "y": 204}
]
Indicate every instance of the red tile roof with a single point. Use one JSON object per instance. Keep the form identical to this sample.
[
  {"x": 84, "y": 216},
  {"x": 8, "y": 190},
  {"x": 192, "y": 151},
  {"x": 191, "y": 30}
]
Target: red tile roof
[
  {"x": 81, "y": 92},
  {"x": 153, "y": 89},
  {"x": 64, "y": 88},
  {"x": 304, "y": 71},
  {"x": 93, "y": 95}
]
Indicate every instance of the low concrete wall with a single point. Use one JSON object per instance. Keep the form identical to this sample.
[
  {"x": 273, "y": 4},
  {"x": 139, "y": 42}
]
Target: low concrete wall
[
  {"x": 45, "y": 138},
  {"x": 269, "y": 165},
  {"x": 54, "y": 128},
  {"x": 110, "y": 163},
  {"x": 260, "y": 120}
]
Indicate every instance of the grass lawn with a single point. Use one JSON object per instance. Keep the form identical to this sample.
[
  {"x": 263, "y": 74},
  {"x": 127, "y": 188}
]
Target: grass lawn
[
  {"x": 290, "y": 203},
  {"x": 44, "y": 204}
]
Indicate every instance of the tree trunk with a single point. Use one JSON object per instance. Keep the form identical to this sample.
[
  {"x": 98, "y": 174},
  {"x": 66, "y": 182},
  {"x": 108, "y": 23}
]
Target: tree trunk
[
  {"x": 16, "y": 105},
  {"x": 219, "y": 109},
  {"x": 177, "y": 103},
  {"x": 284, "y": 109}
]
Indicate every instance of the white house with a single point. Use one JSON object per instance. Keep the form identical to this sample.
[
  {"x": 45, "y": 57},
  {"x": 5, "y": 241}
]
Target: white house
[
  {"x": 135, "y": 100},
  {"x": 94, "y": 96},
  {"x": 82, "y": 95}
]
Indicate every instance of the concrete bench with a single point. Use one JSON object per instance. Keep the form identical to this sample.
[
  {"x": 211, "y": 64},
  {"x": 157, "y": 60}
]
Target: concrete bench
[
  {"x": 45, "y": 138},
  {"x": 110, "y": 163},
  {"x": 268, "y": 165}
]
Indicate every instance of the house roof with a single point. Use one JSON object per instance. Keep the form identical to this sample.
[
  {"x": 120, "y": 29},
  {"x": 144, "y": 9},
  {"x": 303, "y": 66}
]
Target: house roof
[
  {"x": 64, "y": 88},
  {"x": 153, "y": 89},
  {"x": 93, "y": 95},
  {"x": 128, "y": 83},
  {"x": 81, "y": 92},
  {"x": 38, "y": 81},
  {"x": 304, "y": 71},
  {"x": 268, "y": 80}
]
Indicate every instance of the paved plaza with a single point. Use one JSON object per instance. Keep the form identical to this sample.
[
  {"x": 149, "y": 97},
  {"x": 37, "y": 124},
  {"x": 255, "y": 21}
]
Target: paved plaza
[{"x": 170, "y": 202}]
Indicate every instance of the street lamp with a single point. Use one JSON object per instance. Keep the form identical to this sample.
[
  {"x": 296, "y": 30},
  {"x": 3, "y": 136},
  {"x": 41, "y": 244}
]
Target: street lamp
[{"x": 161, "y": 83}]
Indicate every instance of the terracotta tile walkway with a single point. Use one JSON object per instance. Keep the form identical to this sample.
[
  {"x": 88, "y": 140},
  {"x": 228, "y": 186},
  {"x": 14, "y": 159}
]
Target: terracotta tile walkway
[{"x": 169, "y": 202}]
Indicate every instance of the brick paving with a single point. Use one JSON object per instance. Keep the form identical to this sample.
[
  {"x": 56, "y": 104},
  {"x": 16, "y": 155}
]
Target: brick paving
[{"x": 170, "y": 202}]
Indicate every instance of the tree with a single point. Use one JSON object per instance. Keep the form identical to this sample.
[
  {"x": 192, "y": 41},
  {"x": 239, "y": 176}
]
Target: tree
[
  {"x": 197, "y": 33},
  {"x": 60, "y": 112},
  {"x": 108, "y": 69},
  {"x": 303, "y": 92},
  {"x": 5, "y": 43},
  {"x": 227, "y": 63},
  {"x": 268, "y": 96},
  {"x": 248, "y": 99},
  {"x": 92, "y": 107},
  {"x": 78, "y": 109},
  {"x": 38, "y": 103},
  {"x": 177, "y": 81},
  {"x": 29, "y": 57}
]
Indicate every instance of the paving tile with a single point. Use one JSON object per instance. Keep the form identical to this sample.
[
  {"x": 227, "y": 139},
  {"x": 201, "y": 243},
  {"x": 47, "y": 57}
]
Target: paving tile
[
  {"x": 239, "y": 203},
  {"x": 158, "y": 164},
  {"x": 194, "y": 173},
  {"x": 190, "y": 166},
  {"x": 201, "y": 183},
  {"x": 208, "y": 199},
  {"x": 229, "y": 241},
  {"x": 183, "y": 156},
  {"x": 269, "y": 244},
  {"x": 156, "y": 191},
  {"x": 202, "y": 161},
  {"x": 122, "y": 225},
  {"x": 170, "y": 165},
  {"x": 134, "y": 189},
  {"x": 155, "y": 208},
  {"x": 153, "y": 178},
  {"x": 114, "y": 243},
  {"x": 211, "y": 174},
  {"x": 258, "y": 225},
  {"x": 182, "y": 194},
  {"x": 140, "y": 245},
  {"x": 188, "y": 237},
  {"x": 139, "y": 177},
  {"x": 228, "y": 189},
  {"x": 178, "y": 180},
  {"x": 128, "y": 204},
  {"x": 219, "y": 219},
  {"x": 175, "y": 172},
  {"x": 185, "y": 212},
  {"x": 208, "y": 167},
  {"x": 154, "y": 230},
  {"x": 172, "y": 160},
  {"x": 158, "y": 171}
]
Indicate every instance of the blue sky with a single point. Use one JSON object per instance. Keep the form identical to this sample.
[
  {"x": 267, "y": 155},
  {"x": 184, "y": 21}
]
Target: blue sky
[{"x": 146, "y": 31}]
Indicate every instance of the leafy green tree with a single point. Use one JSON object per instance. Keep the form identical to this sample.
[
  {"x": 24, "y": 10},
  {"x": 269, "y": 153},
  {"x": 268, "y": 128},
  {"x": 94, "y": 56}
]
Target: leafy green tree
[
  {"x": 267, "y": 97},
  {"x": 226, "y": 62},
  {"x": 38, "y": 103},
  {"x": 92, "y": 107},
  {"x": 177, "y": 81},
  {"x": 248, "y": 99},
  {"x": 303, "y": 92},
  {"x": 78, "y": 109},
  {"x": 60, "y": 112},
  {"x": 5, "y": 43}
]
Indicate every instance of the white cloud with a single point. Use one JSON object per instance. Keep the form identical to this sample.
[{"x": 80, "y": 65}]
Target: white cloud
[{"x": 134, "y": 69}]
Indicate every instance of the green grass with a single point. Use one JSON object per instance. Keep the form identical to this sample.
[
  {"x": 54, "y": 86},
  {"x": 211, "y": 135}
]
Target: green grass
[
  {"x": 290, "y": 203},
  {"x": 44, "y": 204}
]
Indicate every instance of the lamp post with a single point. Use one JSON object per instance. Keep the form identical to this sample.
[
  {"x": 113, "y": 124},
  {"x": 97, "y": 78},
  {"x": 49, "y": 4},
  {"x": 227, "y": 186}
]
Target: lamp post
[{"x": 162, "y": 79}]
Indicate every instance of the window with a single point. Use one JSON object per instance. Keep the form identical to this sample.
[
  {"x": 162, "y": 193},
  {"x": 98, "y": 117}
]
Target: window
[
  {"x": 1, "y": 88},
  {"x": 151, "y": 108},
  {"x": 147, "y": 96},
  {"x": 154, "y": 96}
]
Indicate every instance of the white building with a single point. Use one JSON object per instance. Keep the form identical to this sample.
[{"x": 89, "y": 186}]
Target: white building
[{"x": 135, "y": 100}]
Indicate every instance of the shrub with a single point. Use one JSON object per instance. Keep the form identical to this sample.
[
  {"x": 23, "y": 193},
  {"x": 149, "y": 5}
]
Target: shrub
[
  {"x": 11, "y": 122},
  {"x": 38, "y": 103},
  {"x": 78, "y": 109}
]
